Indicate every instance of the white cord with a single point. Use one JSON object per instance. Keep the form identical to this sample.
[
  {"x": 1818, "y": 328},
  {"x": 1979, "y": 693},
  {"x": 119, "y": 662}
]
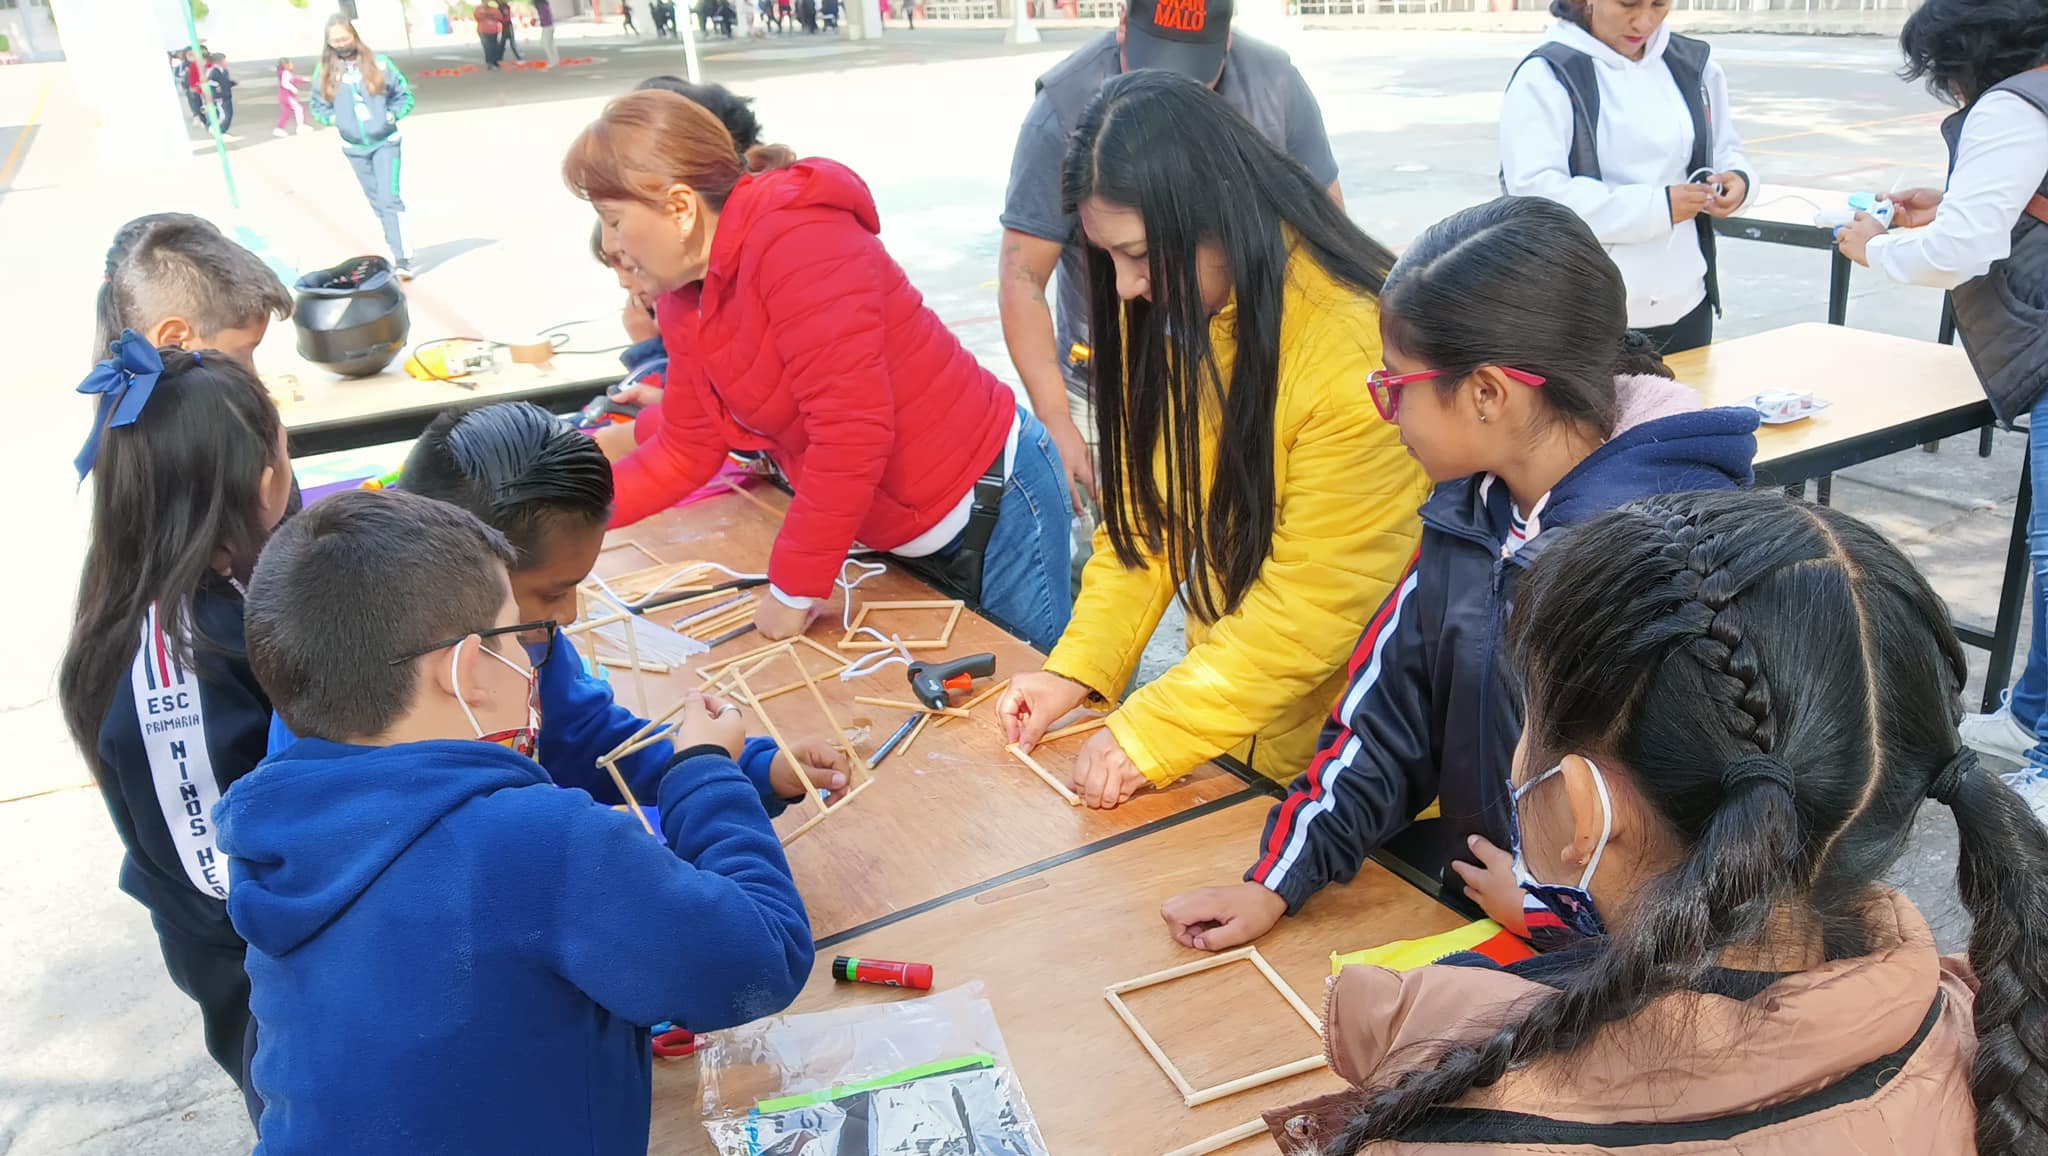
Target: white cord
[{"x": 881, "y": 658}]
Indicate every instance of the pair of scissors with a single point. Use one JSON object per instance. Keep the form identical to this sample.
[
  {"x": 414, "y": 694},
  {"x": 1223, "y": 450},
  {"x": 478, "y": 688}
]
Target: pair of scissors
[{"x": 671, "y": 1042}]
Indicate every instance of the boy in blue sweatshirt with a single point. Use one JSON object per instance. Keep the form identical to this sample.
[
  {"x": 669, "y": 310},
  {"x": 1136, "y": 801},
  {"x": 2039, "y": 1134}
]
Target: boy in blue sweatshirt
[
  {"x": 447, "y": 952},
  {"x": 548, "y": 489}
]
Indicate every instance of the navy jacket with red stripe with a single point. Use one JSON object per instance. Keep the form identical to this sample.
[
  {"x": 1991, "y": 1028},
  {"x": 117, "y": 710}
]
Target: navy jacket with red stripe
[
  {"x": 1431, "y": 711},
  {"x": 175, "y": 737}
]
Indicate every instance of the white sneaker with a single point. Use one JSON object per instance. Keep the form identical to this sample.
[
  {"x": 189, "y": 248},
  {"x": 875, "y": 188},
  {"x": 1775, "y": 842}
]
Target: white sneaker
[
  {"x": 1998, "y": 734},
  {"x": 2031, "y": 786},
  {"x": 279, "y": 132}
]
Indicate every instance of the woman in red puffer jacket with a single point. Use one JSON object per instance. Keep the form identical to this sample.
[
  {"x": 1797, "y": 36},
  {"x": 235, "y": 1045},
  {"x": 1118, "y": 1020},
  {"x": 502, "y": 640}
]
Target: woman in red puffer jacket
[{"x": 789, "y": 329}]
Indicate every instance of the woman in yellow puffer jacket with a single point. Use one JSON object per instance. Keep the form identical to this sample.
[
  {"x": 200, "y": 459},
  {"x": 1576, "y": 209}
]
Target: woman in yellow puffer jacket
[{"x": 1244, "y": 466}]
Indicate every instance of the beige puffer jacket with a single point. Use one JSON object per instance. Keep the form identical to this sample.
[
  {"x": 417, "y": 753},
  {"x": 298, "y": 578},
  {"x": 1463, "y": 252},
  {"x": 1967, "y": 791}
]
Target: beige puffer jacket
[{"x": 1869, "y": 1056}]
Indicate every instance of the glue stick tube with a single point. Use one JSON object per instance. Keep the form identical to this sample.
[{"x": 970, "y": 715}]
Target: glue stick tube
[{"x": 886, "y": 972}]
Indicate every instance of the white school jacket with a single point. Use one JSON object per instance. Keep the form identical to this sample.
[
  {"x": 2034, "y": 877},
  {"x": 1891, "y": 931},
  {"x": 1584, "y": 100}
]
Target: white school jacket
[{"x": 1644, "y": 139}]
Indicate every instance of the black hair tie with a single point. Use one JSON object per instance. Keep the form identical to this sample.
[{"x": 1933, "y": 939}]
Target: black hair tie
[
  {"x": 1635, "y": 341},
  {"x": 1948, "y": 784},
  {"x": 1751, "y": 768}
]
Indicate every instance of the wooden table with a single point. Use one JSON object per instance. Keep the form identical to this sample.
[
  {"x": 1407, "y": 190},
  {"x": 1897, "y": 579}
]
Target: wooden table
[
  {"x": 1783, "y": 215},
  {"x": 1044, "y": 948},
  {"x": 325, "y": 413},
  {"x": 1889, "y": 394},
  {"x": 955, "y": 816}
]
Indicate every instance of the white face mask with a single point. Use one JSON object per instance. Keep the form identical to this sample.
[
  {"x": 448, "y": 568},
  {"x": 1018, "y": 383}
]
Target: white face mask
[
  {"x": 524, "y": 740},
  {"x": 1558, "y": 914}
]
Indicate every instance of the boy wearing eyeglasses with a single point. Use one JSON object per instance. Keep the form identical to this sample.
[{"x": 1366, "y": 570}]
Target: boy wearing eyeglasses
[
  {"x": 446, "y": 952},
  {"x": 548, "y": 489}
]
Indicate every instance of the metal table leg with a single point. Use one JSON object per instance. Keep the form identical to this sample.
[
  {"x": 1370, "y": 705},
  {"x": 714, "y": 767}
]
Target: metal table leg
[
  {"x": 1838, "y": 288},
  {"x": 2012, "y": 592}
]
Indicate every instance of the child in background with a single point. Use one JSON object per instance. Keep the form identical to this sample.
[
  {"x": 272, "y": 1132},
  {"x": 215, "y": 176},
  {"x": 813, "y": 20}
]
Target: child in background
[
  {"x": 291, "y": 98},
  {"x": 1533, "y": 407},
  {"x": 189, "y": 476},
  {"x": 412, "y": 890},
  {"x": 1737, "y": 706},
  {"x": 222, "y": 88},
  {"x": 364, "y": 96},
  {"x": 179, "y": 281},
  {"x": 548, "y": 490}
]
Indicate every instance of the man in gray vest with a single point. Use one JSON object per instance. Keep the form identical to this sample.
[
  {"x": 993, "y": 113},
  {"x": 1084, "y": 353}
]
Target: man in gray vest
[{"x": 1191, "y": 37}]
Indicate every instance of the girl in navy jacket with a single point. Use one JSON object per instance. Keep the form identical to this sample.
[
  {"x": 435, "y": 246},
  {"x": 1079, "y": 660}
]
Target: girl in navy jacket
[
  {"x": 1533, "y": 407},
  {"x": 190, "y": 475}
]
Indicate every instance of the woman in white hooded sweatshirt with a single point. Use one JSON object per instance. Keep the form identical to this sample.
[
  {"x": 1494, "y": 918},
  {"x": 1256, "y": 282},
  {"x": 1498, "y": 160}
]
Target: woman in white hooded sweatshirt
[{"x": 1627, "y": 125}]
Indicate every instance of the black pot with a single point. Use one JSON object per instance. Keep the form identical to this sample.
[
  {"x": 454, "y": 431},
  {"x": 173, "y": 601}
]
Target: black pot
[{"x": 352, "y": 318}]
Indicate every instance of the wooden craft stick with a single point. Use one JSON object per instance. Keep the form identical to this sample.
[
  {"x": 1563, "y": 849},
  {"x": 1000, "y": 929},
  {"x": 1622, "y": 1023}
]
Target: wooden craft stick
[
  {"x": 1221, "y": 1140},
  {"x": 1180, "y": 1082},
  {"x": 1079, "y": 728},
  {"x": 589, "y": 624},
  {"x": 1023, "y": 756},
  {"x": 626, "y": 793},
  {"x": 827, "y": 813},
  {"x": 661, "y": 734},
  {"x": 749, "y": 495},
  {"x": 725, "y": 663},
  {"x": 803, "y": 775},
  {"x": 624, "y": 664},
  {"x": 898, "y": 704},
  {"x": 1287, "y": 990},
  {"x": 1255, "y": 1080},
  {"x": 713, "y": 627},
  {"x": 653, "y": 724},
  {"x": 980, "y": 697},
  {"x": 868, "y": 646},
  {"x": 633, "y": 656},
  {"x": 853, "y": 760},
  {"x": 1199, "y": 965},
  {"x": 903, "y": 748},
  {"x": 943, "y": 639}
]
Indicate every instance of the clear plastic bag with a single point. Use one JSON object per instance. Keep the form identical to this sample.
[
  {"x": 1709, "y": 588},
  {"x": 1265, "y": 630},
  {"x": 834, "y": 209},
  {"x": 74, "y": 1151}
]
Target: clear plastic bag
[{"x": 922, "y": 1077}]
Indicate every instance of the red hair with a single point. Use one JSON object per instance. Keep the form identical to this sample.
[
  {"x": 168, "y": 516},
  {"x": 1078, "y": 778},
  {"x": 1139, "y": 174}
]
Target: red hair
[{"x": 646, "y": 141}]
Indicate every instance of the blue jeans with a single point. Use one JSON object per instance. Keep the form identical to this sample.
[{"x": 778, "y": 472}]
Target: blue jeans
[
  {"x": 1026, "y": 582},
  {"x": 2029, "y": 699}
]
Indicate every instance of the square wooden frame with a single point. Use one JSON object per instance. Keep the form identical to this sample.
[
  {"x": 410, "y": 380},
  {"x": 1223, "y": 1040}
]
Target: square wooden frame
[
  {"x": 944, "y": 639},
  {"x": 1190, "y": 1095}
]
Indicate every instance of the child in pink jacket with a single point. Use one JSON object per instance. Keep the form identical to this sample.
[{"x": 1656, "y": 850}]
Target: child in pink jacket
[{"x": 291, "y": 98}]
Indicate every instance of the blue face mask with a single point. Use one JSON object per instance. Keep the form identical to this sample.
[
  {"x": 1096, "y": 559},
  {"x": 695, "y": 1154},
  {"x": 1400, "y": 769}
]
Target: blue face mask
[{"x": 1559, "y": 915}]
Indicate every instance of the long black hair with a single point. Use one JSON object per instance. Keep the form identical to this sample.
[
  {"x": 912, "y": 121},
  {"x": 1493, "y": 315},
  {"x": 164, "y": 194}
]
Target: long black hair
[
  {"x": 171, "y": 492},
  {"x": 1694, "y": 633},
  {"x": 517, "y": 467},
  {"x": 1519, "y": 282},
  {"x": 1196, "y": 171},
  {"x": 1963, "y": 47}
]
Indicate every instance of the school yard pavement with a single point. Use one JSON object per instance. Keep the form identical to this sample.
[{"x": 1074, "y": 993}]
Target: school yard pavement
[{"x": 103, "y": 1055}]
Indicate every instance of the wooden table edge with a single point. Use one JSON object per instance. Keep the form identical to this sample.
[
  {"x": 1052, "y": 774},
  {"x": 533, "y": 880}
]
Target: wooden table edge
[{"x": 1017, "y": 874}]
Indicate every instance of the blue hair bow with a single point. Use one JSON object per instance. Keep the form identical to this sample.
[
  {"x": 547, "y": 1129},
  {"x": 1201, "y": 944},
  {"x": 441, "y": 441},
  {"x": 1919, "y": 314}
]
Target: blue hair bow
[{"x": 123, "y": 382}]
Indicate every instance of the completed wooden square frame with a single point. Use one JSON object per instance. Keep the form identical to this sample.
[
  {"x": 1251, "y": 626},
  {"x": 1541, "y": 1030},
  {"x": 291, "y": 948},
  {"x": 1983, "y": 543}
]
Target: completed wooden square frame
[
  {"x": 943, "y": 639},
  {"x": 1191, "y": 1095}
]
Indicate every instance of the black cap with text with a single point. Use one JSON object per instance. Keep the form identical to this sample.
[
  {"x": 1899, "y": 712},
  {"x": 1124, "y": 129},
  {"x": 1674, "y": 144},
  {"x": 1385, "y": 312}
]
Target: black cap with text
[{"x": 1185, "y": 36}]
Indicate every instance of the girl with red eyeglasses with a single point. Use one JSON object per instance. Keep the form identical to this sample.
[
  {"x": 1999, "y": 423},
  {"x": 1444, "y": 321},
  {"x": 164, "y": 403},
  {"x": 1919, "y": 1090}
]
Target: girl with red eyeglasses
[{"x": 1515, "y": 381}]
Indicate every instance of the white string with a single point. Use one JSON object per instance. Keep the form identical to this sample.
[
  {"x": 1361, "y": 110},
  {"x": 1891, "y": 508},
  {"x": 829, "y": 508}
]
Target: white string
[{"x": 871, "y": 663}]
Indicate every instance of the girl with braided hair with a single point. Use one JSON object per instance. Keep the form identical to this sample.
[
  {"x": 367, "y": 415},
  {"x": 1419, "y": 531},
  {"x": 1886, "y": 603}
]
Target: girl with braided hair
[{"x": 1737, "y": 704}]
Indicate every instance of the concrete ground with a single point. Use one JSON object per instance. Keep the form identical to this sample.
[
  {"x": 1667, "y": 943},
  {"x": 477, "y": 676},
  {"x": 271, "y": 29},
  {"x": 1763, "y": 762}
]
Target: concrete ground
[{"x": 103, "y": 1054}]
